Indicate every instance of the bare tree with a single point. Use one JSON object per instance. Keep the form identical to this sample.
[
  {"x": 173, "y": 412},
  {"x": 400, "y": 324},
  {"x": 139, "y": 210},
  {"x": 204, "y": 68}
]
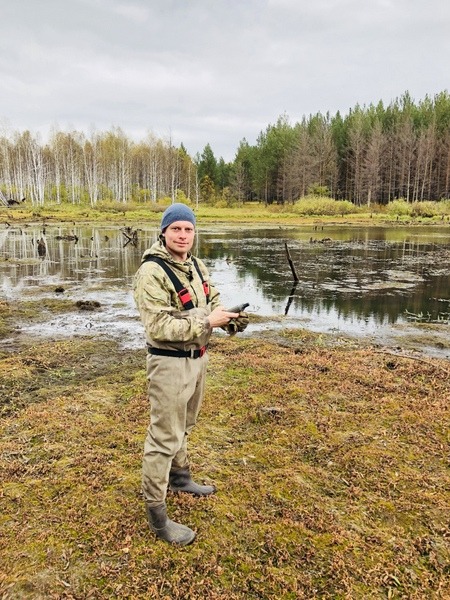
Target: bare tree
[
  {"x": 373, "y": 162},
  {"x": 424, "y": 164},
  {"x": 355, "y": 157}
]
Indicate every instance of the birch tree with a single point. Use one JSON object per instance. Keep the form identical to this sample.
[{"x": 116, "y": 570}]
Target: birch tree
[{"x": 91, "y": 162}]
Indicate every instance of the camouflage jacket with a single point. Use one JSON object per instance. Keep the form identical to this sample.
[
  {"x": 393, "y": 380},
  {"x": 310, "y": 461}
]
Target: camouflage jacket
[{"x": 167, "y": 324}]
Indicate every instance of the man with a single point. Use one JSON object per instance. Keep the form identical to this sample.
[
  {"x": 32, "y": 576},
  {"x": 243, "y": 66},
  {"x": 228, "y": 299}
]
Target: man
[{"x": 179, "y": 308}]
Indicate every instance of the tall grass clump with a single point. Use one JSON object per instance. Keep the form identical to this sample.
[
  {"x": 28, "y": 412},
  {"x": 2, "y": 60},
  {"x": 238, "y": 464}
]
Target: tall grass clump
[
  {"x": 424, "y": 209},
  {"x": 318, "y": 205},
  {"x": 399, "y": 208},
  {"x": 430, "y": 209}
]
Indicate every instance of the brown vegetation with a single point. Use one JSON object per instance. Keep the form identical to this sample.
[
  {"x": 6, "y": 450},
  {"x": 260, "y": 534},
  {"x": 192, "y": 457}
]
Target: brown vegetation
[{"x": 331, "y": 466}]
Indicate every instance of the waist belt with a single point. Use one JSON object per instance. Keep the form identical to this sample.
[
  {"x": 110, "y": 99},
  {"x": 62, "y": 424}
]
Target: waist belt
[{"x": 178, "y": 353}]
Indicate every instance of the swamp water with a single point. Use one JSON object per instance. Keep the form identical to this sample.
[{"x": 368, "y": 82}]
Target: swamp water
[{"x": 382, "y": 285}]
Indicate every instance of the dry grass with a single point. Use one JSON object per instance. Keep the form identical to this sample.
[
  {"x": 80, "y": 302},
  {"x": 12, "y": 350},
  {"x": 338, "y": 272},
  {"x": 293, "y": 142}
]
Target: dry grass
[
  {"x": 306, "y": 210},
  {"x": 331, "y": 465}
]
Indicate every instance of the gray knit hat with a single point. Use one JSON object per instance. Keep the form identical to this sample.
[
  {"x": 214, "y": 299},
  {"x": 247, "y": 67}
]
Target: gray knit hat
[{"x": 177, "y": 212}]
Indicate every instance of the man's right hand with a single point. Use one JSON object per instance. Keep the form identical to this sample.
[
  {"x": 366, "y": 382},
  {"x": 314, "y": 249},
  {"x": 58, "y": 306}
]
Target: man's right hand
[{"x": 220, "y": 316}]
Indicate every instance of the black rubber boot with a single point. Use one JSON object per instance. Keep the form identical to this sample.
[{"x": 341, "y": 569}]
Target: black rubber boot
[
  {"x": 168, "y": 530},
  {"x": 180, "y": 481}
]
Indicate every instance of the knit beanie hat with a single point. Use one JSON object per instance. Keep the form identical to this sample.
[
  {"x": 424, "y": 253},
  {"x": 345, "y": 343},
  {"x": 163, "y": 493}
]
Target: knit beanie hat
[{"x": 177, "y": 212}]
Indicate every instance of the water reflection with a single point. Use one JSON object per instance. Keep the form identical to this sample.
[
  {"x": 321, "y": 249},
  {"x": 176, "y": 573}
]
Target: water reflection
[
  {"x": 355, "y": 274},
  {"x": 354, "y": 280}
]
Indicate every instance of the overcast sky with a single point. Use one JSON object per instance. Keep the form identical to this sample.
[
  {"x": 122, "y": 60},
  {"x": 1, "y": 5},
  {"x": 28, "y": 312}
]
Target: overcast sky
[{"x": 211, "y": 71}]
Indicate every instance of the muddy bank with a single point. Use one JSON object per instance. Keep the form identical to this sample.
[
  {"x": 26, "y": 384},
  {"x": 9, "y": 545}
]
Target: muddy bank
[{"x": 55, "y": 317}]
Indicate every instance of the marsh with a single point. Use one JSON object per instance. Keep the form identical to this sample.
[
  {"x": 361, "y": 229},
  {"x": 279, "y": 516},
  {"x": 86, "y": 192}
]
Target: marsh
[{"x": 382, "y": 285}]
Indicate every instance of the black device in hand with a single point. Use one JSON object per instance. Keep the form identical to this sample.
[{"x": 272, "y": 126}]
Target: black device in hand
[{"x": 239, "y": 308}]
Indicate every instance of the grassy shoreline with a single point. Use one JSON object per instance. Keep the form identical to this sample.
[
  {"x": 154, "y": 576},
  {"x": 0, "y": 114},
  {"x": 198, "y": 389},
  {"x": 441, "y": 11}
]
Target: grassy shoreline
[{"x": 251, "y": 213}]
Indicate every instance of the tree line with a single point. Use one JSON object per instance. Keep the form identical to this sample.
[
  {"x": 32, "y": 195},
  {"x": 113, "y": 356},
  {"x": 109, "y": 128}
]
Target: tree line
[
  {"x": 107, "y": 166},
  {"x": 374, "y": 154}
]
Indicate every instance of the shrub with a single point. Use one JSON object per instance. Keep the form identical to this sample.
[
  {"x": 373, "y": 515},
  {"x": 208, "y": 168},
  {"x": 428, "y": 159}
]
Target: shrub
[
  {"x": 444, "y": 206},
  {"x": 316, "y": 205},
  {"x": 399, "y": 208},
  {"x": 165, "y": 201},
  {"x": 424, "y": 209},
  {"x": 181, "y": 197},
  {"x": 221, "y": 203}
]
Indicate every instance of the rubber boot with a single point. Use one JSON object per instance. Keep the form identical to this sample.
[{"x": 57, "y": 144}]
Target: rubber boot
[
  {"x": 180, "y": 481},
  {"x": 168, "y": 530}
]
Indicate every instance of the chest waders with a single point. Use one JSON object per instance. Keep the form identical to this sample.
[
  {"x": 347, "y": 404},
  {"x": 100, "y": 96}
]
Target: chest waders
[
  {"x": 180, "y": 479},
  {"x": 186, "y": 301}
]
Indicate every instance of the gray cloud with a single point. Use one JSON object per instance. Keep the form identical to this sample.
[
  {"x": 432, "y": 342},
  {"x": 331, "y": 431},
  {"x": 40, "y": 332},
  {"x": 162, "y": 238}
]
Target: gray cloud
[{"x": 211, "y": 72}]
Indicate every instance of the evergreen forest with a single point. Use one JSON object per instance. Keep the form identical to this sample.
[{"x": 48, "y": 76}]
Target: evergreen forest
[{"x": 373, "y": 155}]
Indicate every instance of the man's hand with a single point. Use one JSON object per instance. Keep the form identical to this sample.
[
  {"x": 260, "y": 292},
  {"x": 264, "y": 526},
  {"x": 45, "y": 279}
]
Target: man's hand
[
  {"x": 237, "y": 325},
  {"x": 220, "y": 316},
  {"x": 241, "y": 322}
]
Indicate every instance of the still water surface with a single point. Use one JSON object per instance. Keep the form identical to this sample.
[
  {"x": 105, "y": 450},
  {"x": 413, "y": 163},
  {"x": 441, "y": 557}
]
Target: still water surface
[{"x": 364, "y": 282}]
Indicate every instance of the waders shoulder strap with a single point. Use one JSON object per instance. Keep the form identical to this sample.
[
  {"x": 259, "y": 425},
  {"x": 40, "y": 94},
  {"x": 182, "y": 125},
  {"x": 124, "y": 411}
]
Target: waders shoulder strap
[
  {"x": 205, "y": 283},
  {"x": 183, "y": 293}
]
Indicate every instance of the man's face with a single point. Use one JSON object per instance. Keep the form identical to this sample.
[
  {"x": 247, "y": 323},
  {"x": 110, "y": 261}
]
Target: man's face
[{"x": 179, "y": 238}]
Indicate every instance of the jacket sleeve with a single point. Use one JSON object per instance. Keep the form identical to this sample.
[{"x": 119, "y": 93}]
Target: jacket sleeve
[{"x": 164, "y": 322}]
